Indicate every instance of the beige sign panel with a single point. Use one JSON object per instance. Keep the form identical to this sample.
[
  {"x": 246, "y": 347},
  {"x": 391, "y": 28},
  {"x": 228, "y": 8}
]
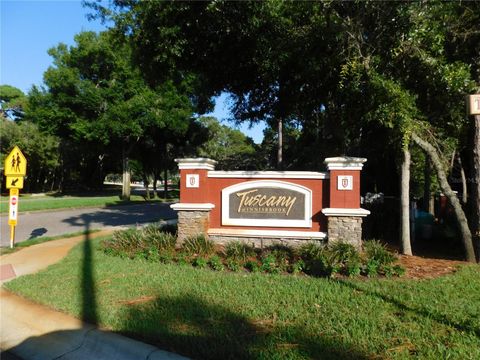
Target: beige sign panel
[
  {"x": 267, "y": 203},
  {"x": 473, "y": 104}
]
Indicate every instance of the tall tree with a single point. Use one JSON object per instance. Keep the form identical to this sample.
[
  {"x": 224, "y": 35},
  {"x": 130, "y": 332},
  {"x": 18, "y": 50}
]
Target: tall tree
[
  {"x": 97, "y": 100},
  {"x": 12, "y": 102},
  {"x": 231, "y": 148},
  {"x": 40, "y": 149}
]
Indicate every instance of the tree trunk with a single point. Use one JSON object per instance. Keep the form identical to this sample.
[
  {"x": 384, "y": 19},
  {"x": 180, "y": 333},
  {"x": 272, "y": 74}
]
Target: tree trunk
[
  {"x": 146, "y": 183},
  {"x": 126, "y": 176},
  {"x": 155, "y": 179},
  {"x": 464, "y": 180},
  {"x": 427, "y": 174},
  {"x": 447, "y": 190},
  {"x": 475, "y": 193},
  {"x": 280, "y": 145},
  {"x": 165, "y": 183},
  {"x": 405, "y": 203}
]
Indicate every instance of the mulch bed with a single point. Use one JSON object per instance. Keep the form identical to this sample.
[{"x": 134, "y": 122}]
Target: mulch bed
[{"x": 425, "y": 268}]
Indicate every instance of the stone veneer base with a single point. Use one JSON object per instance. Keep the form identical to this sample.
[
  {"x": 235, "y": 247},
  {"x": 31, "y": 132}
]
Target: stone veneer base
[
  {"x": 346, "y": 229},
  {"x": 261, "y": 242},
  {"x": 192, "y": 223}
]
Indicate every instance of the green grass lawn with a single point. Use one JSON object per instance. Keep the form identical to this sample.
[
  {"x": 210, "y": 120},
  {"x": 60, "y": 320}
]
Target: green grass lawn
[
  {"x": 206, "y": 314},
  {"x": 65, "y": 202}
]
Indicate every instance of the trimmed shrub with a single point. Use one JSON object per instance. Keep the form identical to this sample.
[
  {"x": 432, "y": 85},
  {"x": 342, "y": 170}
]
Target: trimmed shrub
[
  {"x": 371, "y": 268},
  {"x": 239, "y": 251},
  {"x": 153, "y": 244},
  {"x": 297, "y": 267},
  {"x": 216, "y": 263},
  {"x": 375, "y": 250},
  {"x": 125, "y": 243},
  {"x": 252, "y": 266},
  {"x": 198, "y": 246},
  {"x": 269, "y": 264},
  {"x": 163, "y": 241},
  {"x": 233, "y": 265},
  {"x": 282, "y": 255},
  {"x": 310, "y": 251},
  {"x": 200, "y": 262}
]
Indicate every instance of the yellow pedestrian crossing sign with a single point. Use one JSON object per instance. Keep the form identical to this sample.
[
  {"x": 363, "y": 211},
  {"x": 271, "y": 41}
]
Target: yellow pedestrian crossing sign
[
  {"x": 14, "y": 182},
  {"x": 15, "y": 163}
]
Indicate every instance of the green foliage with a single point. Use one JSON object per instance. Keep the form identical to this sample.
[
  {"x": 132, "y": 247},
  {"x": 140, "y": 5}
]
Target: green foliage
[
  {"x": 198, "y": 245},
  {"x": 269, "y": 264},
  {"x": 239, "y": 251},
  {"x": 252, "y": 266},
  {"x": 297, "y": 267},
  {"x": 155, "y": 245},
  {"x": 310, "y": 251},
  {"x": 124, "y": 243},
  {"x": 182, "y": 258},
  {"x": 40, "y": 149},
  {"x": 353, "y": 269},
  {"x": 97, "y": 101},
  {"x": 372, "y": 267},
  {"x": 200, "y": 262},
  {"x": 233, "y": 265},
  {"x": 375, "y": 250},
  {"x": 231, "y": 148},
  {"x": 150, "y": 243},
  {"x": 344, "y": 252},
  {"x": 161, "y": 237},
  {"x": 216, "y": 263},
  {"x": 13, "y": 102},
  {"x": 283, "y": 256}
]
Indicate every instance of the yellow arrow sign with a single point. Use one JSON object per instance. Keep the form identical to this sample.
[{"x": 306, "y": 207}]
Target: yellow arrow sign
[
  {"x": 14, "y": 182},
  {"x": 15, "y": 163}
]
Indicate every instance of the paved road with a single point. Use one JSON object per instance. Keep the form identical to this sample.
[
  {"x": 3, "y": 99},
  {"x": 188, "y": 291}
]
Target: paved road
[{"x": 55, "y": 223}]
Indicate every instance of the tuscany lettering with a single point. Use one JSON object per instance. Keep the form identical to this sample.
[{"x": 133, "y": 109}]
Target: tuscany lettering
[{"x": 248, "y": 200}]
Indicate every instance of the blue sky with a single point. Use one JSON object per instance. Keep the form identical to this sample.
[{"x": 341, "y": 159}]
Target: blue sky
[{"x": 29, "y": 28}]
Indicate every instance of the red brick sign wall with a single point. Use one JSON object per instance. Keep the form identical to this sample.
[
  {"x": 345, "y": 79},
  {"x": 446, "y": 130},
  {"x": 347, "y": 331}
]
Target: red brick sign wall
[{"x": 296, "y": 202}]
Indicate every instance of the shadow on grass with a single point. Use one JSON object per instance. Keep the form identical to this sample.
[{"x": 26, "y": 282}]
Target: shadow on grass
[
  {"x": 88, "y": 300},
  {"x": 466, "y": 326},
  {"x": 194, "y": 328}
]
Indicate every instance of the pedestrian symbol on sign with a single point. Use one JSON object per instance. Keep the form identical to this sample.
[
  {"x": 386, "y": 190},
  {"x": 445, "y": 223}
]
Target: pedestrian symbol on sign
[{"x": 15, "y": 163}]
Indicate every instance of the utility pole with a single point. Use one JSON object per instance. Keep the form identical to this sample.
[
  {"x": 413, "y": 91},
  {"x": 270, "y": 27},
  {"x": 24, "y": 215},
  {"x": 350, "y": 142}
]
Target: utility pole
[{"x": 473, "y": 109}]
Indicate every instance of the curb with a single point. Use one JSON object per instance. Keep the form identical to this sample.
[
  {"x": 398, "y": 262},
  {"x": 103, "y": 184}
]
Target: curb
[{"x": 88, "y": 343}]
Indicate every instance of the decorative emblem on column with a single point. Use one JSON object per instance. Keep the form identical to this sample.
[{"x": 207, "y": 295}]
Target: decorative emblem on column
[
  {"x": 345, "y": 182},
  {"x": 193, "y": 181}
]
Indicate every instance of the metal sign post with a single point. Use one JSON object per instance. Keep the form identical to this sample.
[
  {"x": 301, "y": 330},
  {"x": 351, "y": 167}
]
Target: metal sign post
[{"x": 15, "y": 170}]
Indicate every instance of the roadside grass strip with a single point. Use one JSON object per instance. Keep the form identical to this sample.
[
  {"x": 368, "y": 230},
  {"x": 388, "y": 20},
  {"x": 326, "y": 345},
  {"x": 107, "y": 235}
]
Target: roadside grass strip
[
  {"x": 67, "y": 202},
  {"x": 42, "y": 239},
  {"x": 239, "y": 315}
]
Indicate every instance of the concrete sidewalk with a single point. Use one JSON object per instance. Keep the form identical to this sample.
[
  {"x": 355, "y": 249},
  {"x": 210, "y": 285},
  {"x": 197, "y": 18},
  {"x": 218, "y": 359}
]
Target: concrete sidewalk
[{"x": 33, "y": 331}]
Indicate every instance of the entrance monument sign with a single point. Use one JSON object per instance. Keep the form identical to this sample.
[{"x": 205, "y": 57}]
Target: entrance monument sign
[{"x": 263, "y": 207}]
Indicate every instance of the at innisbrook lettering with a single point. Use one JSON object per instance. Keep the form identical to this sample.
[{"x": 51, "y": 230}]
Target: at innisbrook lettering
[{"x": 249, "y": 200}]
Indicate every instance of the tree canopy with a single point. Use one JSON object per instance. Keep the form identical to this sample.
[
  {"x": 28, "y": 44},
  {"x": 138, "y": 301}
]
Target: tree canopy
[
  {"x": 363, "y": 77},
  {"x": 13, "y": 102}
]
